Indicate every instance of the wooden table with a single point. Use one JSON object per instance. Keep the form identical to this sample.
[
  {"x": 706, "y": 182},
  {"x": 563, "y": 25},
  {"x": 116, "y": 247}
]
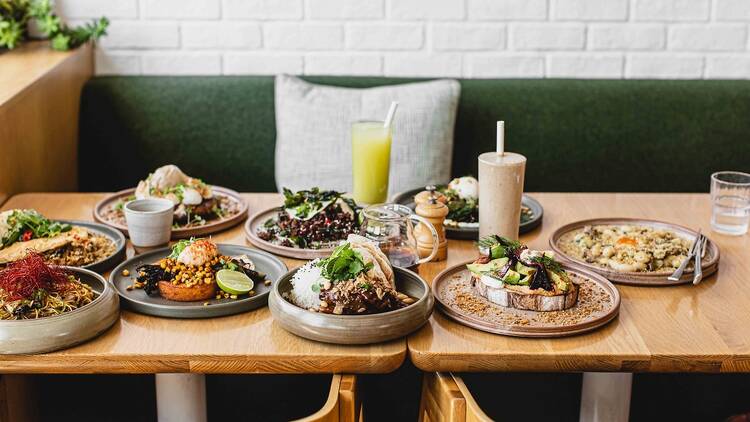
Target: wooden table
[
  {"x": 245, "y": 343},
  {"x": 704, "y": 328}
]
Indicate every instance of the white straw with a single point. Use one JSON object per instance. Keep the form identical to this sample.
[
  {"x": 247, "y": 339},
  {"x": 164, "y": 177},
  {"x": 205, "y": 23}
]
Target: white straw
[
  {"x": 391, "y": 113},
  {"x": 500, "y": 137}
]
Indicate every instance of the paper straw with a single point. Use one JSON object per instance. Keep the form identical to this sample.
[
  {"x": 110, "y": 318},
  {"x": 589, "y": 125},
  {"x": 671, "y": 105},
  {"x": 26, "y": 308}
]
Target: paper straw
[
  {"x": 391, "y": 113},
  {"x": 500, "y": 137}
]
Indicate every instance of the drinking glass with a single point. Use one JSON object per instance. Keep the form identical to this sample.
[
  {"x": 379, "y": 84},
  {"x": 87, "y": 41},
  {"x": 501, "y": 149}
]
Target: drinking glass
[
  {"x": 371, "y": 157},
  {"x": 730, "y": 201}
]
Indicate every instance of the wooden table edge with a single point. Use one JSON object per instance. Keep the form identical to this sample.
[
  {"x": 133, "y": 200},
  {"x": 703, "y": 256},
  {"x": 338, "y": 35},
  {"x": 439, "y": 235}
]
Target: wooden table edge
[
  {"x": 708, "y": 364},
  {"x": 200, "y": 364}
]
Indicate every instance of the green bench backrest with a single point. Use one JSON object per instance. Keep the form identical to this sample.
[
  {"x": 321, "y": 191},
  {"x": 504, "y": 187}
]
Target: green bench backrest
[{"x": 578, "y": 135}]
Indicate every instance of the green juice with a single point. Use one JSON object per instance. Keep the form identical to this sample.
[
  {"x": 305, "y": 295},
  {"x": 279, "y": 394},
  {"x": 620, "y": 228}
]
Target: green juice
[{"x": 371, "y": 158}]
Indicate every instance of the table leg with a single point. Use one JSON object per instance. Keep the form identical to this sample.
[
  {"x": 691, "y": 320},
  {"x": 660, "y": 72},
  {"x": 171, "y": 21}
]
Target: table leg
[
  {"x": 181, "y": 397},
  {"x": 605, "y": 396}
]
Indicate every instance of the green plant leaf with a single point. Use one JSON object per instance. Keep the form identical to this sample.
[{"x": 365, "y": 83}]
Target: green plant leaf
[{"x": 61, "y": 42}]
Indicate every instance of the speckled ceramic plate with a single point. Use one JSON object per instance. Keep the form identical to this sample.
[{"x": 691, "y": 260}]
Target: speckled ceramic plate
[
  {"x": 210, "y": 227},
  {"x": 354, "y": 329},
  {"x": 65, "y": 330},
  {"x": 137, "y": 299},
  {"x": 472, "y": 233},
  {"x": 251, "y": 233},
  {"x": 115, "y": 235},
  {"x": 710, "y": 262},
  {"x": 598, "y": 304},
  {"x": 112, "y": 234}
]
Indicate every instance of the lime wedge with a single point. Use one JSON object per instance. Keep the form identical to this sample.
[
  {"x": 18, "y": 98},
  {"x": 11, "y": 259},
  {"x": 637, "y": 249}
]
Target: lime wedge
[{"x": 234, "y": 282}]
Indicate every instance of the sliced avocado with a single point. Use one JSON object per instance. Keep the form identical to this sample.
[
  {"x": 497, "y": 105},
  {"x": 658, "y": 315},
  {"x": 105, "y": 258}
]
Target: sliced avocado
[
  {"x": 561, "y": 280},
  {"x": 511, "y": 277},
  {"x": 497, "y": 251},
  {"x": 525, "y": 280},
  {"x": 524, "y": 269},
  {"x": 493, "y": 265}
]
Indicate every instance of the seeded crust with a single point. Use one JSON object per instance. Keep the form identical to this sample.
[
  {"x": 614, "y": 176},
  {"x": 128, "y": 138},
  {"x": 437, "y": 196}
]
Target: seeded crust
[{"x": 183, "y": 293}]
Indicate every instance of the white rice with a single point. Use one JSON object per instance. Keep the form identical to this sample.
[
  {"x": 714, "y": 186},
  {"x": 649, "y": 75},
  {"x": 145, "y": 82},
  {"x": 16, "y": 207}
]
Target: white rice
[{"x": 303, "y": 280}]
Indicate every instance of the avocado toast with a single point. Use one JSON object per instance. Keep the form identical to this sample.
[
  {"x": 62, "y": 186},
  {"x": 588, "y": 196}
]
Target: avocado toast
[{"x": 511, "y": 275}]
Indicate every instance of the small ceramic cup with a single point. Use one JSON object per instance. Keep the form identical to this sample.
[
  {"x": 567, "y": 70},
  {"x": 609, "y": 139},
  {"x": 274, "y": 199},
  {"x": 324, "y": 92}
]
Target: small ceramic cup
[{"x": 149, "y": 221}]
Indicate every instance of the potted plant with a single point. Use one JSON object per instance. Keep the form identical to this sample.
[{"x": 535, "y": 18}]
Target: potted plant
[{"x": 15, "y": 16}]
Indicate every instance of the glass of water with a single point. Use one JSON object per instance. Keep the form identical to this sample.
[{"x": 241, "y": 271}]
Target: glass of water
[{"x": 730, "y": 200}]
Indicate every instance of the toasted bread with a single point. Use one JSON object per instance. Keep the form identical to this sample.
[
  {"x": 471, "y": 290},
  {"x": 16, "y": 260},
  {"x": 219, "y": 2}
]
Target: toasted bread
[
  {"x": 521, "y": 297},
  {"x": 183, "y": 293}
]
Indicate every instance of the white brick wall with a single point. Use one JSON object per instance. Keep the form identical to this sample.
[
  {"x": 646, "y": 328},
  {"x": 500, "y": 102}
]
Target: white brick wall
[{"x": 432, "y": 38}]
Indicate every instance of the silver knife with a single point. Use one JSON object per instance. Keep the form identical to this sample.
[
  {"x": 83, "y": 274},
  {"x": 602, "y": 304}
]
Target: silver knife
[
  {"x": 698, "y": 272},
  {"x": 681, "y": 269}
]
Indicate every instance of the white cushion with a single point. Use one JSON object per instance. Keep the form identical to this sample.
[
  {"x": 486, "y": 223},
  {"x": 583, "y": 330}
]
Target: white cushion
[{"x": 313, "y": 132}]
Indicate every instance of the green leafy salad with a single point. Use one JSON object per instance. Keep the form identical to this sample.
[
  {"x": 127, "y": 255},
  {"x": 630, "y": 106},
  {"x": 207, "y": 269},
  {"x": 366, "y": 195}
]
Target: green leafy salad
[{"x": 24, "y": 225}]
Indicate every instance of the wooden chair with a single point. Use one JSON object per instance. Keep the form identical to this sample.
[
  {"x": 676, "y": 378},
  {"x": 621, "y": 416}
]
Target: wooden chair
[
  {"x": 16, "y": 399},
  {"x": 446, "y": 398},
  {"x": 343, "y": 404}
]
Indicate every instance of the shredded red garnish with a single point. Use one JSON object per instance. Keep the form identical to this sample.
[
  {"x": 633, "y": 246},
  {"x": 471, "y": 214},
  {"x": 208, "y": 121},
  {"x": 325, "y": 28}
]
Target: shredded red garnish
[
  {"x": 27, "y": 235},
  {"x": 22, "y": 278}
]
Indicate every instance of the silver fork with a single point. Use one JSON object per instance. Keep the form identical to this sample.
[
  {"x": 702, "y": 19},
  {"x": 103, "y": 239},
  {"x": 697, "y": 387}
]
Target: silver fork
[{"x": 691, "y": 253}]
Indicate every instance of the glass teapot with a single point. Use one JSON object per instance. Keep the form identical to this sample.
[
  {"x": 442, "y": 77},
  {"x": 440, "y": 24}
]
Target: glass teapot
[{"x": 392, "y": 227}]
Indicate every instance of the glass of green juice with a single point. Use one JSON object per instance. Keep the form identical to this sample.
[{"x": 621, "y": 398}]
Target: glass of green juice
[{"x": 371, "y": 159}]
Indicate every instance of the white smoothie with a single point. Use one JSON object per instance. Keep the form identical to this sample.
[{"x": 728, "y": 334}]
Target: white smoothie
[{"x": 500, "y": 192}]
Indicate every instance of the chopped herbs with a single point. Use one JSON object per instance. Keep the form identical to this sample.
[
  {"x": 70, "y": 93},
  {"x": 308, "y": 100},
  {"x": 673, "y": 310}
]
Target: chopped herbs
[
  {"x": 499, "y": 246},
  {"x": 306, "y": 203},
  {"x": 463, "y": 210},
  {"x": 343, "y": 264},
  {"x": 549, "y": 263}
]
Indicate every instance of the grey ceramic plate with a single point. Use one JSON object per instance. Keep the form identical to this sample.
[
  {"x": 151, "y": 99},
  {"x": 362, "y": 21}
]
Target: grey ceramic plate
[
  {"x": 61, "y": 331},
  {"x": 354, "y": 329},
  {"x": 137, "y": 300},
  {"x": 110, "y": 232},
  {"x": 472, "y": 233}
]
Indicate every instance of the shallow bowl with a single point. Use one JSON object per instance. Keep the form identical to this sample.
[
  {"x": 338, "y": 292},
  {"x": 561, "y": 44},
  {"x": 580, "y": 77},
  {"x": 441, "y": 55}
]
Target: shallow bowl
[
  {"x": 354, "y": 329},
  {"x": 61, "y": 331}
]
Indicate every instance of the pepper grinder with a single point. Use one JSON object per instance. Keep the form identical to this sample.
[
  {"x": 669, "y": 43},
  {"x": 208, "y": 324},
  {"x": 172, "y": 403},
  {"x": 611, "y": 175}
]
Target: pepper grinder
[{"x": 431, "y": 206}]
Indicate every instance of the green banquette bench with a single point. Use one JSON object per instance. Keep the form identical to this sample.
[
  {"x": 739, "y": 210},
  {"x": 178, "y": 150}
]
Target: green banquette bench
[{"x": 578, "y": 135}]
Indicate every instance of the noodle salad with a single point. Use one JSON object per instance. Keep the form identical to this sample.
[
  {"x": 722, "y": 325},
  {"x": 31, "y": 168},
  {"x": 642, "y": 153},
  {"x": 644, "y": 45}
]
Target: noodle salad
[{"x": 31, "y": 289}]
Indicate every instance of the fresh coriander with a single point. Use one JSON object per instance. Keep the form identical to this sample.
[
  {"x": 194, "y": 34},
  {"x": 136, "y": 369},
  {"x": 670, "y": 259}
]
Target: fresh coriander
[{"x": 344, "y": 264}]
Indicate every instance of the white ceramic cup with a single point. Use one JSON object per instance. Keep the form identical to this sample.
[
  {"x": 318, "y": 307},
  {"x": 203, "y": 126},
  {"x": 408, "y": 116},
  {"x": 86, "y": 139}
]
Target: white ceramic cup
[{"x": 149, "y": 221}]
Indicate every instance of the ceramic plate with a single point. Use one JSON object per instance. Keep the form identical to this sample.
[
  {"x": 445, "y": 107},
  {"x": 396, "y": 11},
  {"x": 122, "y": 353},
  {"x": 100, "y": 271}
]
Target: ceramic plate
[
  {"x": 112, "y": 234},
  {"x": 251, "y": 233},
  {"x": 472, "y": 233},
  {"x": 115, "y": 235},
  {"x": 213, "y": 226},
  {"x": 354, "y": 329},
  {"x": 710, "y": 262},
  {"x": 139, "y": 301},
  {"x": 61, "y": 331},
  {"x": 598, "y": 304}
]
